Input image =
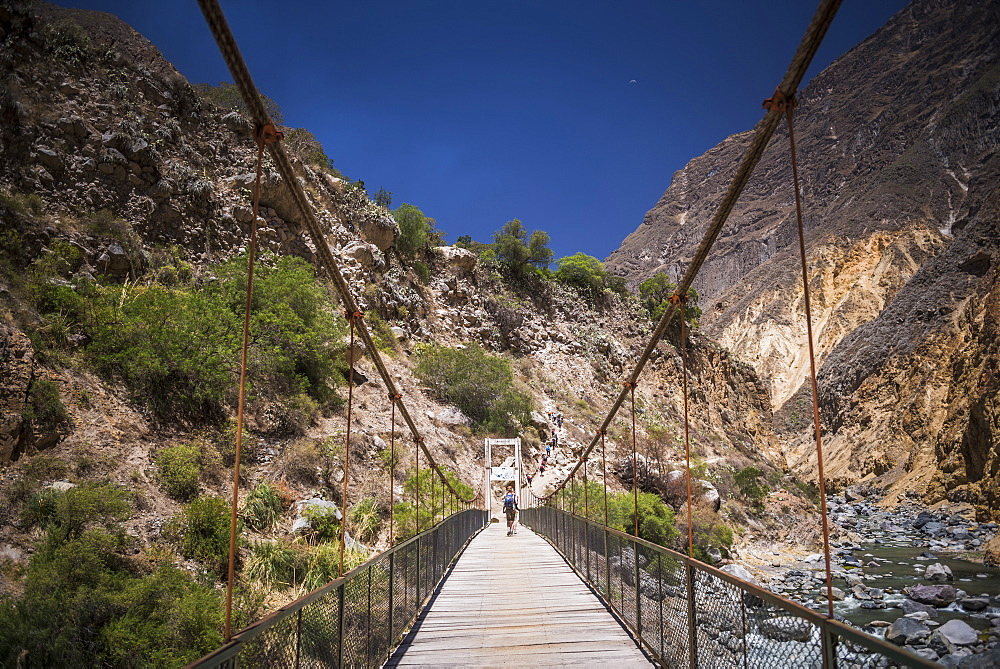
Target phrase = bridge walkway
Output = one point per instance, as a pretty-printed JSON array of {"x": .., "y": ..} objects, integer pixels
[{"x": 514, "y": 601}]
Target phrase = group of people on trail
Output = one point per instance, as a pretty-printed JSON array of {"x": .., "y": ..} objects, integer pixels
[{"x": 510, "y": 502}]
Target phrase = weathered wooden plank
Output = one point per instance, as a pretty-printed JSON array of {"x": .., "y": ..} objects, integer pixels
[{"x": 514, "y": 600}]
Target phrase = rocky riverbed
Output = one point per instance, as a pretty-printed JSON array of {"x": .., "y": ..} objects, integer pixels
[{"x": 910, "y": 581}]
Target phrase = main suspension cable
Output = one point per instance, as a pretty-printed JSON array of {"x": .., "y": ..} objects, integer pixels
[{"x": 258, "y": 115}]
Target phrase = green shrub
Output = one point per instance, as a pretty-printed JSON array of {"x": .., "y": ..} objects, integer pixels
[
  {"x": 434, "y": 501},
  {"x": 263, "y": 507},
  {"x": 40, "y": 507},
  {"x": 323, "y": 524},
  {"x": 414, "y": 230},
  {"x": 22, "y": 203},
  {"x": 68, "y": 42},
  {"x": 585, "y": 273},
  {"x": 365, "y": 520},
  {"x": 272, "y": 564},
  {"x": 45, "y": 409},
  {"x": 521, "y": 259},
  {"x": 83, "y": 605},
  {"x": 655, "y": 292},
  {"x": 86, "y": 506},
  {"x": 228, "y": 96},
  {"x": 423, "y": 271},
  {"x": 748, "y": 480},
  {"x": 656, "y": 517},
  {"x": 176, "y": 348},
  {"x": 179, "y": 468},
  {"x": 201, "y": 531},
  {"x": 480, "y": 385}
]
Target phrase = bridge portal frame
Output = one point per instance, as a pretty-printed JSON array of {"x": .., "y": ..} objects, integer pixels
[{"x": 488, "y": 474}]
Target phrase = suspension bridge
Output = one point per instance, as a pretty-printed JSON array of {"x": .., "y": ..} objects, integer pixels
[{"x": 566, "y": 588}]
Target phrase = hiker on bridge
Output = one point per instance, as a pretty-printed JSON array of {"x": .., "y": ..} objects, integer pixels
[{"x": 510, "y": 509}]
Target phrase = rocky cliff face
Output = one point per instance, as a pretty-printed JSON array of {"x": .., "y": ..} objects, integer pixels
[
  {"x": 897, "y": 146},
  {"x": 95, "y": 119}
]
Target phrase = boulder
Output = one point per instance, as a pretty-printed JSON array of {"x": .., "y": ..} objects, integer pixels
[
  {"x": 48, "y": 159},
  {"x": 988, "y": 660},
  {"x": 907, "y": 631},
  {"x": 355, "y": 352},
  {"x": 909, "y": 607},
  {"x": 361, "y": 252},
  {"x": 399, "y": 333},
  {"x": 854, "y": 579},
  {"x": 974, "y": 603},
  {"x": 538, "y": 421},
  {"x": 938, "y": 572},
  {"x": 740, "y": 572},
  {"x": 452, "y": 416},
  {"x": 934, "y": 595},
  {"x": 381, "y": 231},
  {"x": 462, "y": 261},
  {"x": 991, "y": 553},
  {"x": 958, "y": 632},
  {"x": 786, "y": 629}
]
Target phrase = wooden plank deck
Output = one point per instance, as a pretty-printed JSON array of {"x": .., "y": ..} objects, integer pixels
[{"x": 514, "y": 601}]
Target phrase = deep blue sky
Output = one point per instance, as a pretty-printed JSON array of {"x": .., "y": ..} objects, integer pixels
[{"x": 480, "y": 112}]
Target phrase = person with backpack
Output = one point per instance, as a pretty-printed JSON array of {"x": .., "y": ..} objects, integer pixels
[{"x": 510, "y": 509}]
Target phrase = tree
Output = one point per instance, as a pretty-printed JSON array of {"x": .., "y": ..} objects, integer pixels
[
  {"x": 414, "y": 230},
  {"x": 519, "y": 259},
  {"x": 655, "y": 294},
  {"x": 383, "y": 198},
  {"x": 586, "y": 273}
]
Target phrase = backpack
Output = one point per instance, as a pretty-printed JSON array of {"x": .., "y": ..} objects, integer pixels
[{"x": 508, "y": 501}]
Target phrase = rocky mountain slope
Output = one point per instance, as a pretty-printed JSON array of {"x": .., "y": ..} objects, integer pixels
[
  {"x": 897, "y": 143},
  {"x": 110, "y": 157}
]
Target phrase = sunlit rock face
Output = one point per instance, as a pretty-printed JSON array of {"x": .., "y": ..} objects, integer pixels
[{"x": 897, "y": 144}]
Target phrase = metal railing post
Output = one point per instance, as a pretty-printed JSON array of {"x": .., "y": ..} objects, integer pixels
[
  {"x": 298, "y": 638},
  {"x": 340, "y": 624},
  {"x": 392, "y": 589},
  {"x": 638, "y": 602},
  {"x": 692, "y": 618},
  {"x": 829, "y": 647}
]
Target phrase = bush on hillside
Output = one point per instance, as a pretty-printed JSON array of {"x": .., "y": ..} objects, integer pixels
[
  {"x": 178, "y": 349},
  {"x": 655, "y": 292},
  {"x": 480, "y": 385},
  {"x": 201, "y": 532},
  {"x": 435, "y": 501},
  {"x": 521, "y": 259},
  {"x": 87, "y": 602},
  {"x": 587, "y": 275},
  {"x": 414, "y": 230},
  {"x": 179, "y": 468}
]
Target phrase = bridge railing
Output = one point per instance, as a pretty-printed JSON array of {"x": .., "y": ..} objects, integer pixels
[
  {"x": 689, "y": 614},
  {"x": 356, "y": 620}
]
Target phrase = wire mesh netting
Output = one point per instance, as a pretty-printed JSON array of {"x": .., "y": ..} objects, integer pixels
[
  {"x": 689, "y": 614},
  {"x": 357, "y": 620}
]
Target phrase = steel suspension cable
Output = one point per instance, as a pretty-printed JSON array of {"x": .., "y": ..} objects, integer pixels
[
  {"x": 789, "y": 105},
  {"x": 763, "y": 132},
  {"x": 635, "y": 466},
  {"x": 251, "y": 253},
  {"x": 682, "y": 300},
  {"x": 353, "y": 318},
  {"x": 604, "y": 476},
  {"x": 392, "y": 465},
  {"x": 258, "y": 115}
]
